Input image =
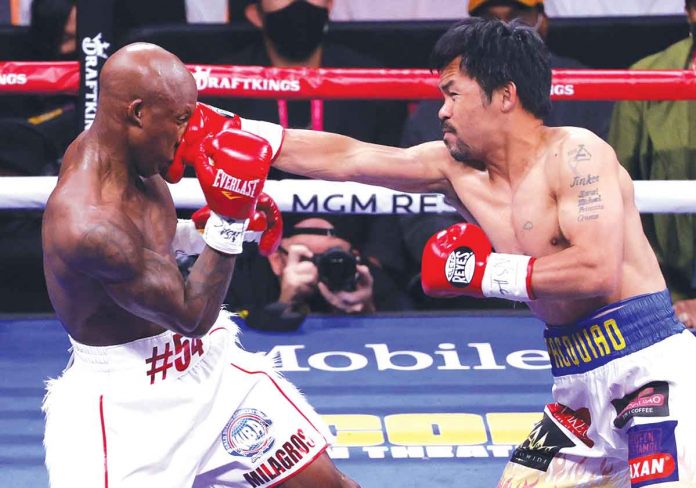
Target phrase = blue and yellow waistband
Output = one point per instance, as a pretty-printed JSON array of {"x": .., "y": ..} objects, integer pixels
[{"x": 635, "y": 324}]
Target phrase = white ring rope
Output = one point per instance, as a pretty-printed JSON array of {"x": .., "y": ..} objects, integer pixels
[{"x": 31, "y": 193}]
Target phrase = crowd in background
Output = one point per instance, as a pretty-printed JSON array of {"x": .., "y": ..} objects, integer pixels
[
  {"x": 18, "y": 12},
  {"x": 328, "y": 263}
]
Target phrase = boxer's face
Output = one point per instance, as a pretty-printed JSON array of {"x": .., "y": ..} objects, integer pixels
[
  {"x": 466, "y": 114},
  {"x": 163, "y": 126}
]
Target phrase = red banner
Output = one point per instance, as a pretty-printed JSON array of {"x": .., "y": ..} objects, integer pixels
[
  {"x": 47, "y": 78},
  {"x": 39, "y": 78}
]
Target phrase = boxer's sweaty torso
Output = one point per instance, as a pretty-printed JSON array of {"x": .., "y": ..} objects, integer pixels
[
  {"x": 525, "y": 220},
  {"x": 88, "y": 313}
]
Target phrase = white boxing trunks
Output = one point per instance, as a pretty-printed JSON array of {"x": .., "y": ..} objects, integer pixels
[
  {"x": 171, "y": 411},
  {"x": 624, "y": 412}
]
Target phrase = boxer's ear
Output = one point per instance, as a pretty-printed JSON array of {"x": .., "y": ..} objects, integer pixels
[
  {"x": 508, "y": 97},
  {"x": 135, "y": 112}
]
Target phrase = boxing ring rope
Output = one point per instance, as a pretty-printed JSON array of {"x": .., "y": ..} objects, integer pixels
[
  {"x": 318, "y": 196},
  {"x": 52, "y": 78},
  {"x": 354, "y": 83}
]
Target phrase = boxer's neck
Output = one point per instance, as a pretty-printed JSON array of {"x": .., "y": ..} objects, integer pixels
[{"x": 516, "y": 150}]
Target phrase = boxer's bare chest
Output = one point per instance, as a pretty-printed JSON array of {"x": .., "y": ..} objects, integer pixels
[{"x": 521, "y": 219}]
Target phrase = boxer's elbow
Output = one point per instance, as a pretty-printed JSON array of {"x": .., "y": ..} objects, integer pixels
[
  {"x": 201, "y": 330},
  {"x": 194, "y": 328},
  {"x": 606, "y": 283},
  {"x": 601, "y": 278},
  {"x": 192, "y": 323}
]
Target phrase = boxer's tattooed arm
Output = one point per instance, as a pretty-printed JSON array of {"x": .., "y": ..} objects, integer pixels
[
  {"x": 589, "y": 199},
  {"x": 576, "y": 156},
  {"x": 149, "y": 284},
  {"x": 588, "y": 259},
  {"x": 107, "y": 252},
  {"x": 586, "y": 183},
  {"x": 584, "y": 180},
  {"x": 589, "y": 205},
  {"x": 209, "y": 276}
]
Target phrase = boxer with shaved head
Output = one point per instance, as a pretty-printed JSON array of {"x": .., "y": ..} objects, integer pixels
[{"x": 158, "y": 393}]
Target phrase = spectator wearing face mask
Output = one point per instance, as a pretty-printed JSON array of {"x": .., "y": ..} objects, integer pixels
[{"x": 293, "y": 34}]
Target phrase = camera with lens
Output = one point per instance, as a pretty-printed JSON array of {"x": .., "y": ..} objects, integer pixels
[{"x": 337, "y": 269}]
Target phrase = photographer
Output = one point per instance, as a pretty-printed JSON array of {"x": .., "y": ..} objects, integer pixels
[{"x": 315, "y": 270}]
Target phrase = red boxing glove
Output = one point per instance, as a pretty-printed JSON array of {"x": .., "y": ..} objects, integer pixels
[
  {"x": 205, "y": 120},
  {"x": 231, "y": 167},
  {"x": 265, "y": 226},
  {"x": 200, "y": 217},
  {"x": 460, "y": 261}
]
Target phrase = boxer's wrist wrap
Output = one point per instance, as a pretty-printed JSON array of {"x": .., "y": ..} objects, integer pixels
[
  {"x": 252, "y": 235},
  {"x": 225, "y": 234},
  {"x": 508, "y": 276},
  {"x": 188, "y": 240}
]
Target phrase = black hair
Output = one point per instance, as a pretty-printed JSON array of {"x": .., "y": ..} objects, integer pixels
[
  {"x": 48, "y": 18},
  {"x": 350, "y": 228},
  {"x": 494, "y": 53}
]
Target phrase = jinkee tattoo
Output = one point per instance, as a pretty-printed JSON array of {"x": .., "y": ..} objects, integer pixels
[{"x": 584, "y": 180}]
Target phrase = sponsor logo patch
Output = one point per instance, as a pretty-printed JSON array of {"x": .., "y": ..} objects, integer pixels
[
  {"x": 248, "y": 434},
  {"x": 460, "y": 265},
  {"x": 577, "y": 422},
  {"x": 652, "y": 454},
  {"x": 651, "y": 400},
  {"x": 286, "y": 457},
  {"x": 541, "y": 446}
]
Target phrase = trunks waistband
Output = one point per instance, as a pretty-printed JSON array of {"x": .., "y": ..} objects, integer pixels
[
  {"x": 165, "y": 356},
  {"x": 613, "y": 331}
]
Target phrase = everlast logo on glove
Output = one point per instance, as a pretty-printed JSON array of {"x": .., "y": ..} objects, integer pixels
[
  {"x": 459, "y": 268},
  {"x": 229, "y": 182}
]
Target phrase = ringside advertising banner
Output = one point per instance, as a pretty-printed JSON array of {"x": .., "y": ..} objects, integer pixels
[
  {"x": 413, "y": 401},
  {"x": 95, "y": 43},
  {"x": 447, "y": 389}
]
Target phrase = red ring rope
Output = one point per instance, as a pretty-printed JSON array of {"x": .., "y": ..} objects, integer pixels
[{"x": 49, "y": 78}]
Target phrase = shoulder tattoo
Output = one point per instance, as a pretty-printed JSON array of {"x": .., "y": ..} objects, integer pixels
[{"x": 577, "y": 155}]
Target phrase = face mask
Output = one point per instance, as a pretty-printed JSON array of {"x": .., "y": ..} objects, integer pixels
[{"x": 297, "y": 30}]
